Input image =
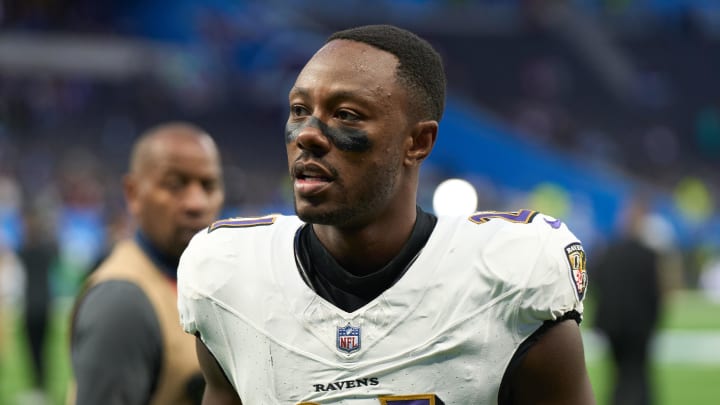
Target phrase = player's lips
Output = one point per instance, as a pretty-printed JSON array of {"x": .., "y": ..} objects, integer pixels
[{"x": 310, "y": 178}]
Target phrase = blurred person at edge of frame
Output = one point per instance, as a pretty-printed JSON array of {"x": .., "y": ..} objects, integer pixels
[
  {"x": 127, "y": 345},
  {"x": 627, "y": 289},
  {"x": 38, "y": 253}
]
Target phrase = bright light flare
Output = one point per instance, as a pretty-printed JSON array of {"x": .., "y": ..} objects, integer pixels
[{"x": 455, "y": 197}]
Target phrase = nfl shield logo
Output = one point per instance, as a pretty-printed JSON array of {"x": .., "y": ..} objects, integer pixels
[{"x": 348, "y": 338}]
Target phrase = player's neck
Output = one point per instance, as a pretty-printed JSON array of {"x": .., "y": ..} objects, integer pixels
[{"x": 365, "y": 250}]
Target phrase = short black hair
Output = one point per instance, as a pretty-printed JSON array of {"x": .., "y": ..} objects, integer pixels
[{"x": 420, "y": 67}]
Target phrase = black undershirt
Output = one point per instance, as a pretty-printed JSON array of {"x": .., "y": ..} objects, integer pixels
[{"x": 344, "y": 289}]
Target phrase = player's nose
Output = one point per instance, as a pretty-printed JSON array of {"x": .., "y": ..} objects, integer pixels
[{"x": 311, "y": 138}]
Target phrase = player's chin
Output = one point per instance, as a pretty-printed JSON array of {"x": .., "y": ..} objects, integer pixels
[
  {"x": 304, "y": 205},
  {"x": 321, "y": 214},
  {"x": 304, "y": 212},
  {"x": 311, "y": 213}
]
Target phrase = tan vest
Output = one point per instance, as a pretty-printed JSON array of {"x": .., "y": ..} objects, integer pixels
[{"x": 179, "y": 364}]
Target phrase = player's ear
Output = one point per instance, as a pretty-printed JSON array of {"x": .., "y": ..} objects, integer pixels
[{"x": 420, "y": 142}]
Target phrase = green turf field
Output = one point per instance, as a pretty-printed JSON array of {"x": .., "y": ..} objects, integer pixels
[
  {"x": 15, "y": 377},
  {"x": 677, "y": 382}
]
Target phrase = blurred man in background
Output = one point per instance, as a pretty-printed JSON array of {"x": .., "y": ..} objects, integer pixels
[
  {"x": 127, "y": 345},
  {"x": 37, "y": 253},
  {"x": 627, "y": 289}
]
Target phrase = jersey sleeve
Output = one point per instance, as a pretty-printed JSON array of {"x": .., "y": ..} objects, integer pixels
[
  {"x": 556, "y": 284},
  {"x": 189, "y": 285},
  {"x": 202, "y": 271}
]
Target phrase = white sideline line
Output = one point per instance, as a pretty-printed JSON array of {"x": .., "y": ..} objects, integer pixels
[{"x": 670, "y": 346}]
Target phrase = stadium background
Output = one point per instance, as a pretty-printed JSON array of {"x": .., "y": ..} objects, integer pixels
[{"x": 561, "y": 106}]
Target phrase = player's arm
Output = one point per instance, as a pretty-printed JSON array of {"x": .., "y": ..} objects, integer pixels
[
  {"x": 554, "y": 370},
  {"x": 218, "y": 390}
]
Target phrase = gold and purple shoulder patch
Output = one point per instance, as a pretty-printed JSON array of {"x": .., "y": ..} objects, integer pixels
[
  {"x": 576, "y": 258},
  {"x": 242, "y": 222}
]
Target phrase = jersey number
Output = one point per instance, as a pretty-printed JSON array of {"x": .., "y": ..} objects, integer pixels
[
  {"x": 522, "y": 216},
  {"x": 422, "y": 399}
]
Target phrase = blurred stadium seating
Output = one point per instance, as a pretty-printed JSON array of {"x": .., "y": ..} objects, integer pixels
[{"x": 565, "y": 106}]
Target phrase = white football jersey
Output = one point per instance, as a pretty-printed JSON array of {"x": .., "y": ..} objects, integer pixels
[{"x": 444, "y": 333}]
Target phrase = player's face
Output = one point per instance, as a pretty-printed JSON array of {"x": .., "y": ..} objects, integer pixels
[
  {"x": 345, "y": 135},
  {"x": 179, "y": 193}
]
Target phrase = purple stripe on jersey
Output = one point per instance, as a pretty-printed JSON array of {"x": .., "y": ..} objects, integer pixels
[{"x": 241, "y": 222}]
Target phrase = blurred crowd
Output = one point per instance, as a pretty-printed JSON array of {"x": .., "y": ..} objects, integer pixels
[{"x": 625, "y": 87}]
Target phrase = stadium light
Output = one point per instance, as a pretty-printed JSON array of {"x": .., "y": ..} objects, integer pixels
[{"x": 455, "y": 197}]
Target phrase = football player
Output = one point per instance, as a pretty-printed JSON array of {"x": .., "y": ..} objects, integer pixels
[{"x": 363, "y": 298}]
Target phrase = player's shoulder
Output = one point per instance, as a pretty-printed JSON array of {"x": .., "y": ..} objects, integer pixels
[
  {"x": 513, "y": 224},
  {"x": 236, "y": 235},
  {"x": 244, "y": 227},
  {"x": 531, "y": 249},
  {"x": 505, "y": 233},
  {"x": 215, "y": 253}
]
